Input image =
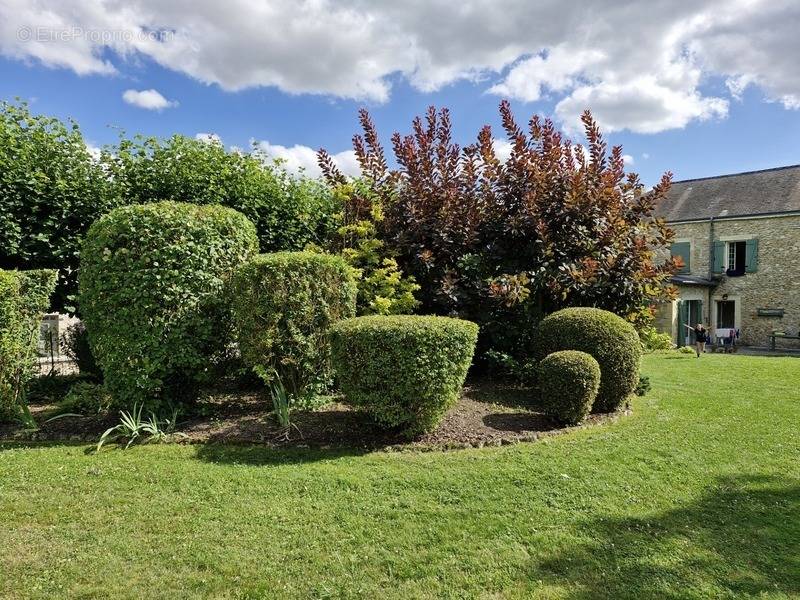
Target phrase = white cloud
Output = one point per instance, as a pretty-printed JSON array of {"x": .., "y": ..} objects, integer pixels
[
  {"x": 211, "y": 138},
  {"x": 628, "y": 160},
  {"x": 502, "y": 148},
  {"x": 302, "y": 159},
  {"x": 147, "y": 99},
  {"x": 639, "y": 65},
  {"x": 645, "y": 155}
]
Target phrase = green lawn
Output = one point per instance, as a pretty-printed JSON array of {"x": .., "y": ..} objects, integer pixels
[{"x": 696, "y": 495}]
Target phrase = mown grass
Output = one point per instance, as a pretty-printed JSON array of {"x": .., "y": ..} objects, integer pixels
[{"x": 696, "y": 495}]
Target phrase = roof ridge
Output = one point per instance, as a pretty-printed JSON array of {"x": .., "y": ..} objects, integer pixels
[{"x": 737, "y": 174}]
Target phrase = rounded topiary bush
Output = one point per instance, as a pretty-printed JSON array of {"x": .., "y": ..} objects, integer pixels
[
  {"x": 284, "y": 305},
  {"x": 611, "y": 340},
  {"x": 568, "y": 383},
  {"x": 405, "y": 371},
  {"x": 153, "y": 296}
]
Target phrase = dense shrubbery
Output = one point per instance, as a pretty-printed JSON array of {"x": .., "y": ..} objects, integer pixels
[
  {"x": 75, "y": 346},
  {"x": 24, "y": 296},
  {"x": 284, "y": 305},
  {"x": 405, "y": 371},
  {"x": 51, "y": 190},
  {"x": 611, "y": 340},
  {"x": 504, "y": 242},
  {"x": 652, "y": 339},
  {"x": 152, "y": 290},
  {"x": 86, "y": 398},
  {"x": 568, "y": 383}
]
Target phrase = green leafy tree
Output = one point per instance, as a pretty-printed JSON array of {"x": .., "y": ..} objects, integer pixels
[{"x": 51, "y": 190}]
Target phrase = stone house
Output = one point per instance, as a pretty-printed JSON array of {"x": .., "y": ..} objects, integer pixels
[{"x": 739, "y": 238}]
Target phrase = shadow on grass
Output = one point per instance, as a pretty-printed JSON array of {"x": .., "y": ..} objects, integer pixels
[
  {"x": 265, "y": 455},
  {"x": 742, "y": 536}
]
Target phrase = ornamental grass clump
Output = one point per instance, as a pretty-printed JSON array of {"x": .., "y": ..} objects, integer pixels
[
  {"x": 153, "y": 293},
  {"x": 405, "y": 371}
]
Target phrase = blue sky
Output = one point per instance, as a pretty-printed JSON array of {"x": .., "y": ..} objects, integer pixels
[{"x": 704, "y": 107}]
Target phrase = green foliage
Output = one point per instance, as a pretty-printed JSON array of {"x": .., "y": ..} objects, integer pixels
[
  {"x": 24, "y": 296},
  {"x": 652, "y": 339},
  {"x": 153, "y": 292},
  {"x": 686, "y": 350},
  {"x": 568, "y": 383},
  {"x": 86, "y": 398},
  {"x": 643, "y": 386},
  {"x": 382, "y": 287},
  {"x": 405, "y": 371},
  {"x": 75, "y": 345},
  {"x": 51, "y": 190},
  {"x": 134, "y": 429},
  {"x": 611, "y": 340},
  {"x": 288, "y": 211},
  {"x": 51, "y": 388},
  {"x": 284, "y": 305}
]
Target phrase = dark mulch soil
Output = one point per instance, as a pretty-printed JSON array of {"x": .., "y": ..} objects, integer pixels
[{"x": 488, "y": 413}]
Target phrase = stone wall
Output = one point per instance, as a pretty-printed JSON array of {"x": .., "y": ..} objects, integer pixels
[{"x": 774, "y": 285}]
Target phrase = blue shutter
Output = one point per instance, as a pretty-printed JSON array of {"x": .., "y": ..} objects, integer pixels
[
  {"x": 751, "y": 258},
  {"x": 719, "y": 257},
  {"x": 682, "y": 249}
]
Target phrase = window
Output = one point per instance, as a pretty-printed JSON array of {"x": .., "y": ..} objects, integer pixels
[
  {"x": 736, "y": 257},
  {"x": 737, "y": 254},
  {"x": 683, "y": 251}
]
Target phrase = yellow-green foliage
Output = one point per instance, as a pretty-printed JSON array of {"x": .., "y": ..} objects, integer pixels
[
  {"x": 405, "y": 371},
  {"x": 153, "y": 286}
]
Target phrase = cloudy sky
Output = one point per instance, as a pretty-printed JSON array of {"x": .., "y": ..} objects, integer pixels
[{"x": 698, "y": 87}]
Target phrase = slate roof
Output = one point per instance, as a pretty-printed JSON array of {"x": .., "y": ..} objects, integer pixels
[{"x": 753, "y": 193}]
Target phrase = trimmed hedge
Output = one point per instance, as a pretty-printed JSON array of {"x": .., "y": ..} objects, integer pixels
[
  {"x": 568, "y": 382},
  {"x": 153, "y": 286},
  {"x": 405, "y": 371},
  {"x": 284, "y": 305},
  {"x": 611, "y": 340},
  {"x": 24, "y": 297}
]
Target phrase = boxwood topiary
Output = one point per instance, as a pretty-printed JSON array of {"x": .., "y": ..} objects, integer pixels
[
  {"x": 284, "y": 305},
  {"x": 568, "y": 383},
  {"x": 611, "y": 340},
  {"x": 405, "y": 371},
  {"x": 153, "y": 296}
]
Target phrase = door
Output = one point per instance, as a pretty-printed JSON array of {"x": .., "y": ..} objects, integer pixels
[
  {"x": 690, "y": 313},
  {"x": 726, "y": 314}
]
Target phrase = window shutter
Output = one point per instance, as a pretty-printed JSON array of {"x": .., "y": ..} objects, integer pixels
[
  {"x": 682, "y": 249},
  {"x": 719, "y": 257},
  {"x": 751, "y": 258}
]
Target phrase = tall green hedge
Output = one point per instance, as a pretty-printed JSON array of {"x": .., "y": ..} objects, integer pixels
[
  {"x": 285, "y": 304},
  {"x": 153, "y": 288},
  {"x": 24, "y": 297},
  {"x": 406, "y": 371},
  {"x": 611, "y": 340}
]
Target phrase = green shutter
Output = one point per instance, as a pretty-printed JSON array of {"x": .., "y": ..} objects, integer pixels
[
  {"x": 719, "y": 257},
  {"x": 751, "y": 258},
  {"x": 682, "y": 249}
]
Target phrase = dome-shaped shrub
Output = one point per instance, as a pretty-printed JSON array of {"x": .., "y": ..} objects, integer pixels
[
  {"x": 612, "y": 341},
  {"x": 405, "y": 371},
  {"x": 568, "y": 382},
  {"x": 285, "y": 304},
  {"x": 153, "y": 286}
]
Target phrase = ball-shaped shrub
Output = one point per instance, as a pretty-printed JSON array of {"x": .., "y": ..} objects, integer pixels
[
  {"x": 405, "y": 371},
  {"x": 568, "y": 383},
  {"x": 153, "y": 296},
  {"x": 611, "y": 340},
  {"x": 284, "y": 305}
]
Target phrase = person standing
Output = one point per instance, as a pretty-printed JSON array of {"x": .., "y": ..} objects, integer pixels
[{"x": 700, "y": 337}]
